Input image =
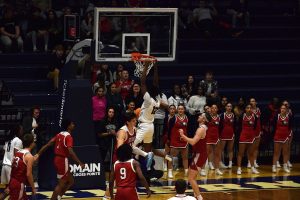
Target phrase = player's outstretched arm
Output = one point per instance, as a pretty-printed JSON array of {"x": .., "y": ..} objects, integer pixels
[
  {"x": 143, "y": 77},
  {"x": 29, "y": 162},
  {"x": 143, "y": 180},
  {"x": 46, "y": 146},
  {"x": 75, "y": 157},
  {"x": 111, "y": 183}
]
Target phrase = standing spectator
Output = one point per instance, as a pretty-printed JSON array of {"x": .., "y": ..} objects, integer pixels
[
  {"x": 195, "y": 106},
  {"x": 239, "y": 108},
  {"x": 118, "y": 73},
  {"x": 114, "y": 100},
  {"x": 180, "y": 187},
  {"x": 176, "y": 98},
  {"x": 189, "y": 86},
  {"x": 124, "y": 84},
  {"x": 31, "y": 124},
  {"x": 56, "y": 64},
  {"x": 224, "y": 102},
  {"x": 105, "y": 71},
  {"x": 99, "y": 104},
  {"x": 210, "y": 87},
  {"x": 100, "y": 83},
  {"x": 135, "y": 95},
  {"x": 10, "y": 34},
  {"x": 238, "y": 9},
  {"x": 38, "y": 30},
  {"x": 107, "y": 133}
]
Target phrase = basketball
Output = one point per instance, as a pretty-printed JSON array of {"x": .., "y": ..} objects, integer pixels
[{"x": 137, "y": 112}]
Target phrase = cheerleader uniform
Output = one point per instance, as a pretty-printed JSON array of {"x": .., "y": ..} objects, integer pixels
[
  {"x": 258, "y": 129},
  {"x": 248, "y": 129},
  {"x": 175, "y": 138},
  {"x": 213, "y": 130},
  {"x": 227, "y": 126},
  {"x": 282, "y": 129}
]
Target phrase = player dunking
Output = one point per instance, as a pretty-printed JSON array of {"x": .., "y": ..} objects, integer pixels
[
  {"x": 63, "y": 142},
  {"x": 21, "y": 172},
  {"x": 199, "y": 152},
  {"x": 125, "y": 172},
  {"x": 145, "y": 129}
]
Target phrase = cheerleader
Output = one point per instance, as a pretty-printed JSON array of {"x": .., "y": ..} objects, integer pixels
[
  {"x": 227, "y": 124},
  {"x": 165, "y": 138},
  {"x": 213, "y": 142},
  {"x": 282, "y": 136},
  {"x": 247, "y": 137},
  {"x": 177, "y": 124},
  {"x": 289, "y": 111},
  {"x": 199, "y": 152},
  {"x": 258, "y": 131}
]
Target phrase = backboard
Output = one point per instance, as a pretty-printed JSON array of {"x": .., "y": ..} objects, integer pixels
[{"x": 120, "y": 31}]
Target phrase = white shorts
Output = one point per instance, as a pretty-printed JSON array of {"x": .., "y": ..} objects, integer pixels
[
  {"x": 5, "y": 174},
  {"x": 145, "y": 133}
]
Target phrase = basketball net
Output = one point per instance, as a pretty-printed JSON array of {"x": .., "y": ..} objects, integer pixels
[{"x": 139, "y": 61}]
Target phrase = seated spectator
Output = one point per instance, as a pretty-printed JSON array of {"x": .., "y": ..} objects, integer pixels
[
  {"x": 176, "y": 98},
  {"x": 55, "y": 28},
  {"x": 189, "y": 86},
  {"x": 87, "y": 25},
  {"x": 10, "y": 32},
  {"x": 100, "y": 83},
  {"x": 238, "y": 10},
  {"x": 180, "y": 187},
  {"x": 223, "y": 104},
  {"x": 56, "y": 64},
  {"x": 38, "y": 30},
  {"x": 124, "y": 84},
  {"x": 203, "y": 17},
  {"x": 210, "y": 87},
  {"x": 105, "y": 71}
]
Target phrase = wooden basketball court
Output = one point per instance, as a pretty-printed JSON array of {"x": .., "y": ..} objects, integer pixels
[{"x": 265, "y": 186}]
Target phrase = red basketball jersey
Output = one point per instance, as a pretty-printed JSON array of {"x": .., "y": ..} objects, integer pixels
[
  {"x": 200, "y": 146},
  {"x": 125, "y": 175},
  {"x": 63, "y": 141},
  {"x": 19, "y": 167},
  {"x": 180, "y": 123},
  {"x": 213, "y": 130}
]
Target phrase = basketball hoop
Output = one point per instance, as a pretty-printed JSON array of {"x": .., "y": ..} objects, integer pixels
[{"x": 139, "y": 61}]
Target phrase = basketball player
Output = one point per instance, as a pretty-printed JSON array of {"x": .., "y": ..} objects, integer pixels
[
  {"x": 180, "y": 187},
  {"x": 227, "y": 124},
  {"x": 258, "y": 130},
  {"x": 11, "y": 146},
  {"x": 125, "y": 172},
  {"x": 21, "y": 172},
  {"x": 281, "y": 138},
  {"x": 247, "y": 138},
  {"x": 145, "y": 129},
  {"x": 213, "y": 142},
  {"x": 176, "y": 124},
  {"x": 126, "y": 135},
  {"x": 199, "y": 152},
  {"x": 63, "y": 150}
]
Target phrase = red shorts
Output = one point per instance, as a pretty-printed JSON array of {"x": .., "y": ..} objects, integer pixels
[
  {"x": 17, "y": 190},
  {"x": 198, "y": 160},
  {"x": 61, "y": 165},
  {"x": 126, "y": 193}
]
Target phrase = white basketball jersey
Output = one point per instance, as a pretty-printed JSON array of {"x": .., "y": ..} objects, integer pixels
[
  {"x": 148, "y": 109},
  {"x": 9, "y": 148}
]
